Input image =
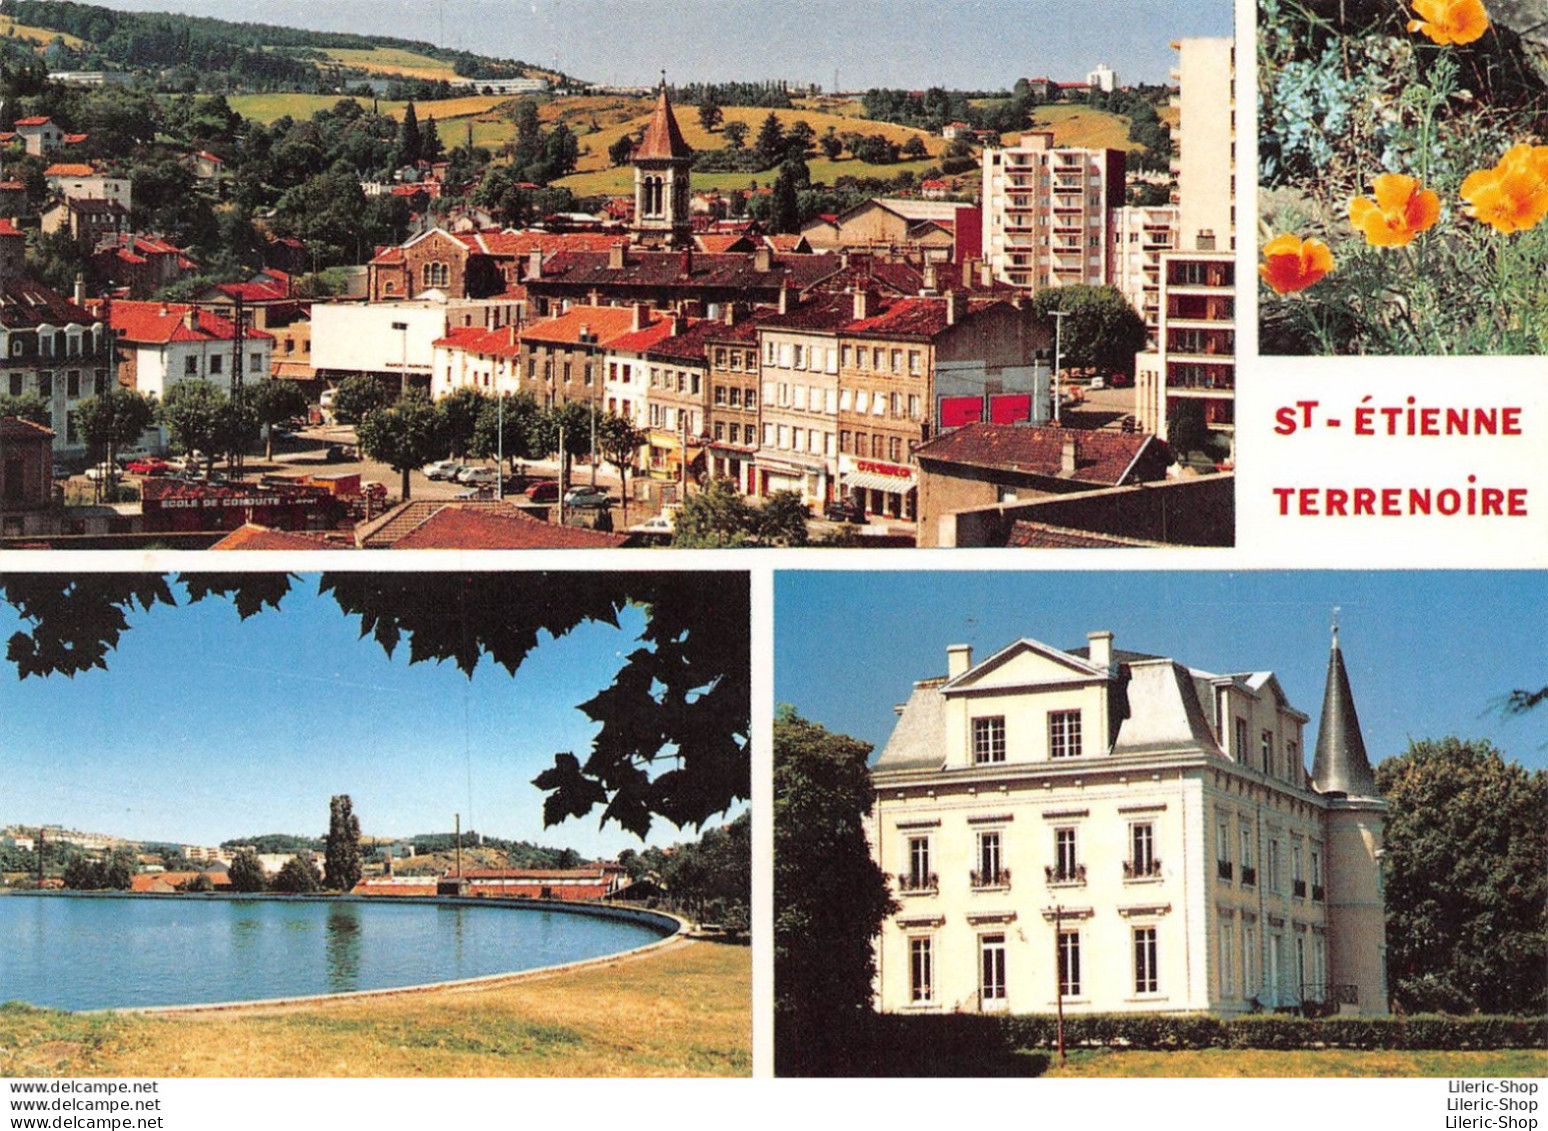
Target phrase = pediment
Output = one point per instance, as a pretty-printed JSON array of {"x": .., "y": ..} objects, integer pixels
[{"x": 1022, "y": 664}]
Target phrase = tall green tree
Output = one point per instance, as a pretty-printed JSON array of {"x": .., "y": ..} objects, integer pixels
[
  {"x": 298, "y": 876},
  {"x": 770, "y": 143},
  {"x": 830, "y": 898},
  {"x": 406, "y": 436},
  {"x": 409, "y": 140},
  {"x": 246, "y": 871},
  {"x": 117, "y": 418},
  {"x": 720, "y": 516},
  {"x": 619, "y": 443},
  {"x": 27, "y": 406},
  {"x": 192, "y": 412},
  {"x": 1466, "y": 890},
  {"x": 341, "y": 860},
  {"x": 462, "y": 410},
  {"x": 506, "y": 427},
  {"x": 735, "y": 134},
  {"x": 358, "y": 397},
  {"x": 275, "y": 401},
  {"x": 710, "y": 114}
]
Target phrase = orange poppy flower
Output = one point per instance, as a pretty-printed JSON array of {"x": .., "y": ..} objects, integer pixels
[
  {"x": 1293, "y": 264},
  {"x": 1400, "y": 211},
  {"x": 1450, "y": 21},
  {"x": 1512, "y": 196}
]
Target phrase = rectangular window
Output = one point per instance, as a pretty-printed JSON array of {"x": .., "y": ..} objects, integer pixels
[
  {"x": 735, "y": 396},
  {"x": 752, "y": 399},
  {"x": 862, "y": 401},
  {"x": 1146, "y": 979},
  {"x": 720, "y": 430},
  {"x": 190, "y": 367},
  {"x": 1064, "y": 734},
  {"x": 919, "y": 878},
  {"x": 989, "y": 739},
  {"x": 1223, "y": 848},
  {"x": 1268, "y": 751},
  {"x": 895, "y": 449},
  {"x": 989, "y": 872},
  {"x": 70, "y": 433},
  {"x": 1066, "y": 865},
  {"x": 16, "y": 384},
  {"x": 913, "y": 361},
  {"x": 913, "y": 407},
  {"x": 847, "y": 356},
  {"x": 1293, "y": 770},
  {"x": 1297, "y": 875},
  {"x": 1273, "y": 866},
  {"x": 991, "y": 950},
  {"x": 1142, "y": 850},
  {"x": 1249, "y": 869},
  {"x": 73, "y": 384},
  {"x": 217, "y": 365},
  {"x": 1249, "y": 961},
  {"x": 921, "y": 970},
  {"x": 720, "y": 394},
  {"x": 45, "y": 384},
  {"x": 1069, "y": 963},
  {"x": 1316, "y": 875},
  {"x": 1241, "y": 741}
]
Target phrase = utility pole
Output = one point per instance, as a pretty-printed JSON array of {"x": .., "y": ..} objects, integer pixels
[
  {"x": 500, "y": 446},
  {"x": 1059, "y": 971},
  {"x": 1058, "y": 317},
  {"x": 459, "y": 856},
  {"x": 563, "y": 484},
  {"x": 238, "y": 460}
]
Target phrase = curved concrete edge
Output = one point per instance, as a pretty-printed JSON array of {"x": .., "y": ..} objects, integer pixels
[{"x": 678, "y": 936}]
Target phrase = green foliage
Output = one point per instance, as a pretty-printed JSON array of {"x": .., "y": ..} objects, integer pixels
[
  {"x": 358, "y": 397},
  {"x": 673, "y": 726},
  {"x": 462, "y": 410},
  {"x": 275, "y": 401},
  {"x": 409, "y": 142},
  {"x": 1467, "y": 898},
  {"x": 620, "y": 151},
  {"x": 830, "y": 899},
  {"x": 713, "y": 876},
  {"x": 770, "y": 144},
  {"x": 192, "y": 412},
  {"x": 28, "y": 406},
  {"x": 115, "y": 872},
  {"x": 298, "y": 876},
  {"x": 246, "y": 872},
  {"x": 721, "y": 516},
  {"x": 341, "y": 862},
  {"x": 1101, "y": 332},
  {"x": 736, "y": 134},
  {"x": 1444, "y": 112},
  {"x": 406, "y": 436},
  {"x": 274, "y": 843},
  {"x": 513, "y": 417},
  {"x": 710, "y": 115}
]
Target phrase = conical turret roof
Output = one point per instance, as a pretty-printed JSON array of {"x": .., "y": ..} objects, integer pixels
[
  {"x": 663, "y": 140},
  {"x": 1340, "y": 765}
]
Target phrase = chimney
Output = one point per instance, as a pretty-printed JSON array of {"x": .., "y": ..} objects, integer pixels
[
  {"x": 535, "y": 263},
  {"x": 865, "y": 304},
  {"x": 985, "y": 275},
  {"x": 641, "y": 316},
  {"x": 969, "y": 270},
  {"x": 1100, "y": 650},
  {"x": 784, "y": 297},
  {"x": 164, "y": 310},
  {"x": 687, "y": 261},
  {"x": 1067, "y": 456},
  {"x": 191, "y": 318},
  {"x": 617, "y": 257},
  {"x": 80, "y": 289},
  {"x": 679, "y": 323},
  {"x": 930, "y": 282},
  {"x": 513, "y": 333},
  {"x": 959, "y": 658},
  {"x": 843, "y": 259},
  {"x": 734, "y": 313},
  {"x": 763, "y": 258},
  {"x": 955, "y": 307}
]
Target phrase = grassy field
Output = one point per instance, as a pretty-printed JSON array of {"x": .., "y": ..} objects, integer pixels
[
  {"x": 1083, "y": 127},
  {"x": 1322, "y": 1062},
  {"x": 684, "y": 1010},
  {"x": 44, "y": 35}
]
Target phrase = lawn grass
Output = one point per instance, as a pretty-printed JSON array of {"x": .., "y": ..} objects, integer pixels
[
  {"x": 1081, "y": 127},
  {"x": 1313, "y": 1062},
  {"x": 39, "y": 35},
  {"x": 683, "y": 1010}
]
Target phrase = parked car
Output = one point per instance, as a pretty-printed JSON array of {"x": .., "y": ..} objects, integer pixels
[
  {"x": 584, "y": 496},
  {"x": 844, "y": 510},
  {"x": 544, "y": 491},
  {"x": 149, "y": 465},
  {"x": 1097, "y": 383},
  {"x": 444, "y": 469},
  {"x": 478, "y": 477},
  {"x": 103, "y": 472}
]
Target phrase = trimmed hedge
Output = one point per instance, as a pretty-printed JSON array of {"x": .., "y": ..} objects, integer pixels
[{"x": 1202, "y": 1031}]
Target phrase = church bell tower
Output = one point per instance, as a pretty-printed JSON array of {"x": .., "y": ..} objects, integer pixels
[{"x": 661, "y": 164}]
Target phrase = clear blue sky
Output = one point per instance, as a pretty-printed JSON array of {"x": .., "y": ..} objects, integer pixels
[
  {"x": 912, "y": 44},
  {"x": 1429, "y": 653},
  {"x": 204, "y": 728}
]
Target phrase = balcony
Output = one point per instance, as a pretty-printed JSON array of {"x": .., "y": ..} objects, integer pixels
[
  {"x": 1298, "y": 888},
  {"x": 1075, "y": 875},
  {"x": 1142, "y": 869},
  {"x": 983, "y": 881},
  {"x": 911, "y": 884},
  {"x": 1319, "y": 893},
  {"x": 1223, "y": 869},
  {"x": 1249, "y": 876}
]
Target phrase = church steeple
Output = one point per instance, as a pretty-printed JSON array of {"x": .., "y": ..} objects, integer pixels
[
  {"x": 661, "y": 164},
  {"x": 1341, "y": 765}
]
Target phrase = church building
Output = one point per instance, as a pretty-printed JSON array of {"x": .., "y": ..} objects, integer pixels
[{"x": 1126, "y": 833}]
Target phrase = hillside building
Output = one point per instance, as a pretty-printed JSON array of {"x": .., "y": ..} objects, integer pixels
[{"x": 1128, "y": 833}]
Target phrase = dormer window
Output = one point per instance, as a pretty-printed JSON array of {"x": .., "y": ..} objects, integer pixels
[{"x": 1064, "y": 734}]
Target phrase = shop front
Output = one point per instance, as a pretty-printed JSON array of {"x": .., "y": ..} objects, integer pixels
[
  {"x": 812, "y": 481},
  {"x": 881, "y": 488}
]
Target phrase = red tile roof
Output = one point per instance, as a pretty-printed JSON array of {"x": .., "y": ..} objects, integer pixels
[
  {"x": 25, "y": 305},
  {"x": 75, "y": 139},
  {"x": 163, "y": 322},
  {"x": 486, "y": 343},
  {"x": 33, "y": 121},
  {"x": 254, "y": 537},
  {"x": 8, "y": 228},
  {"x": 663, "y": 140},
  {"x": 641, "y": 340},
  {"x": 655, "y": 269},
  {"x": 689, "y": 345},
  {"x": 460, "y": 526},
  {"x": 604, "y": 322},
  {"x": 721, "y": 244},
  {"x": 1042, "y": 536},
  {"x": 914, "y": 318},
  {"x": 1108, "y": 458},
  {"x": 69, "y": 170}
]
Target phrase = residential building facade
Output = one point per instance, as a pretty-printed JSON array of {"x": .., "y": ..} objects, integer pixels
[{"x": 1112, "y": 831}]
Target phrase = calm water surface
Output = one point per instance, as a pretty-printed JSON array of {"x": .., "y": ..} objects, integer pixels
[{"x": 72, "y": 953}]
